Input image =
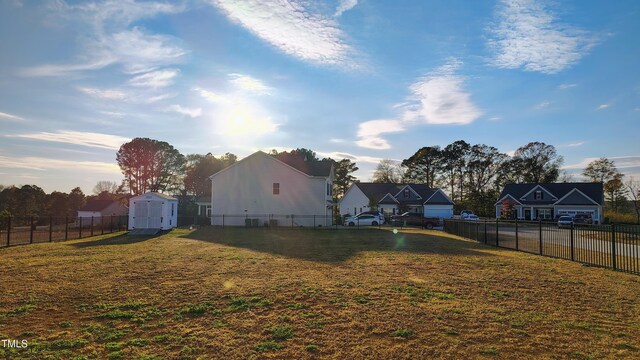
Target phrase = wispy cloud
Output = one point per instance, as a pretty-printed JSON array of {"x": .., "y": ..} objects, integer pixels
[
  {"x": 602, "y": 107},
  {"x": 621, "y": 162},
  {"x": 248, "y": 83},
  {"x": 369, "y": 133},
  {"x": 495, "y": 118},
  {"x": 566, "y": 86},
  {"x": 356, "y": 158},
  {"x": 109, "y": 94},
  {"x": 91, "y": 139},
  {"x": 575, "y": 144},
  {"x": 345, "y": 5},
  {"x": 109, "y": 40},
  {"x": 10, "y": 117},
  {"x": 527, "y": 35},
  {"x": 292, "y": 28},
  {"x": 191, "y": 112},
  {"x": 155, "y": 79},
  {"x": 542, "y": 105},
  {"x": 439, "y": 98},
  {"x": 42, "y": 164},
  {"x": 212, "y": 96}
]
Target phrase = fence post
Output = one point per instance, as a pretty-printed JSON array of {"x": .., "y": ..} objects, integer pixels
[
  {"x": 8, "y": 230},
  {"x": 613, "y": 247},
  {"x": 223, "y": 221},
  {"x": 292, "y": 221},
  {"x": 80, "y": 227},
  {"x": 571, "y": 237},
  {"x": 314, "y": 221},
  {"x": 485, "y": 231},
  {"x": 517, "y": 246},
  {"x": 66, "y": 227},
  {"x": 31, "y": 231},
  {"x": 101, "y": 225},
  {"x": 540, "y": 233},
  {"x": 111, "y": 225},
  {"x": 50, "y": 228},
  {"x": 91, "y": 226},
  {"x": 497, "y": 233}
]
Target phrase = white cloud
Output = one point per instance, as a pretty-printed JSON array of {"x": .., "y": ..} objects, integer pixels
[
  {"x": 248, "y": 83},
  {"x": 369, "y": 133},
  {"x": 10, "y": 117},
  {"x": 621, "y": 162},
  {"x": 242, "y": 118},
  {"x": 155, "y": 79},
  {"x": 495, "y": 118},
  {"x": 345, "y": 5},
  {"x": 542, "y": 105},
  {"x": 42, "y": 164},
  {"x": 211, "y": 96},
  {"x": 191, "y": 112},
  {"x": 575, "y": 144},
  {"x": 527, "y": 35},
  {"x": 440, "y": 98},
  {"x": 108, "y": 40},
  {"x": 109, "y": 94},
  {"x": 292, "y": 28},
  {"x": 566, "y": 86},
  {"x": 98, "y": 140},
  {"x": 602, "y": 107},
  {"x": 356, "y": 158}
]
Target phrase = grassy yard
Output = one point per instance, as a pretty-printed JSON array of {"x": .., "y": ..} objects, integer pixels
[{"x": 256, "y": 293}]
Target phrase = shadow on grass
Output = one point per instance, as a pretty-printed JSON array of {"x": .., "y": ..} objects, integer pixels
[
  {"x": 122, "y": 239},
  {"x": 333, "y": 245}
]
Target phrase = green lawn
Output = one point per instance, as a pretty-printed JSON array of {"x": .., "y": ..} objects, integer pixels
[{"x": 264, "y": 293}]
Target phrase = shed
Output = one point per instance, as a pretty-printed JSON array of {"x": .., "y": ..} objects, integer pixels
[{"x": 153, "y": 211}]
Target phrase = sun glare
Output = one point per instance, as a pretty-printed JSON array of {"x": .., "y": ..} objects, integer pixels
[{"x": 243, "y": 119}]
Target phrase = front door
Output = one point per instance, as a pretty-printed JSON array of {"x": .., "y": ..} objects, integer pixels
[{"x": 527, "y": 214}]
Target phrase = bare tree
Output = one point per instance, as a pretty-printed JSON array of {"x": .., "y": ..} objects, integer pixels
[
  {"x": 387, "y": 171},
  {"x": 633, "y": 186},
  {"x": 110, "y": 187}
]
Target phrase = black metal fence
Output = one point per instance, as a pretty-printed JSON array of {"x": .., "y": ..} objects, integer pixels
[
  {"x": 16, "y": 230},
  {"x": 287, "y": 221},
  {"x": 612, "y": 246}
]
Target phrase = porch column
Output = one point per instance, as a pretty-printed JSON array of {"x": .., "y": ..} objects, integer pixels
[{"x": 532, "y": 214}]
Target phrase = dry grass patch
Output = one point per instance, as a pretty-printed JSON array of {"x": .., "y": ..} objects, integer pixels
[{"x": 265, "y": 293}]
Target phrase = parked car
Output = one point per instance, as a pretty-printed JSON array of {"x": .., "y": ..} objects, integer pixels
[
  {"x": 466, "y": 213},
  {"x": 363, "y": 220},
  {"x": 375, "y": 213},
  {"x": 565, "y": 221},
  {"x": 472, "y": 217},
  {"x": 415, "y": 219},
  {"x": 582, "y": 219}
]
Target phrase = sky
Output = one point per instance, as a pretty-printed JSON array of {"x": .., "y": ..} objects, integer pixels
[{"x": 359, "y": 79}]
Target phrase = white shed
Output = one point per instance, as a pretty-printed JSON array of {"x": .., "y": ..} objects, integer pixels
[{"x": 153, "y": 211}]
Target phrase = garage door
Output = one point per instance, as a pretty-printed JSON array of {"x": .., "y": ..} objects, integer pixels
[{"x": 441, "y": 213}]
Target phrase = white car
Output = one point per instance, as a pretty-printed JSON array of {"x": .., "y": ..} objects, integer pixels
[
  {"x": 472, "y": 217},
  {"x": 363, "y": 220}
]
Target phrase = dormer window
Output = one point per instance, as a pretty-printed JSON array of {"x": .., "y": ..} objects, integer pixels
[
  {"x": 537, "y": 195},
  {"x": 406, "y": 193}
]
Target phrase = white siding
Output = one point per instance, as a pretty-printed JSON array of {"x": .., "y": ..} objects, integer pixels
[
  {"x": 168, "y": 218},
  {"x": 245, "y": 190},
  {"x": 354, "y": 201}
]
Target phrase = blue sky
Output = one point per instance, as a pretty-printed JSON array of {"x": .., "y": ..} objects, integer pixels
[{"x": 353, "y": 78}]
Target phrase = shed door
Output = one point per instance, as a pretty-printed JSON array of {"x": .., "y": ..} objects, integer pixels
[
  {"x": 141, "y": 213},
  {"x": 155, "y": 214}
]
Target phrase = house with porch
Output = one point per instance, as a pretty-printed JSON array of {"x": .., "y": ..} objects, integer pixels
[
  {"x": 262, "y": 189},
  {"x": 549, "y": 201},
  {"x": 392, "y": 199}
]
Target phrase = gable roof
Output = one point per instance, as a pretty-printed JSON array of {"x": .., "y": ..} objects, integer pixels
[
  {"x": 321, "y": 168},
  {"x": 594, "y": 191},
  {"x": 438, "y": 198},
  {"x": 97, "y": 205},
  {"x": 378, "y": 191}
]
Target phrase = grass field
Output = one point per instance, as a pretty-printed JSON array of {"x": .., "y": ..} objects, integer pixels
[{"x": 256, "y": 293}]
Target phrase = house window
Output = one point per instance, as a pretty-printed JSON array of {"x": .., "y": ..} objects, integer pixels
[
  {"x": 544, "y": 213},
  {"x": 537, "y": 195},
  {"x": 276, "y": 188},
  {"x": 406, "y": 193},
  {"x": 328, "y": 189},
  {"x": 208, "y": 210},
  {"x": 172, "y": 209}
]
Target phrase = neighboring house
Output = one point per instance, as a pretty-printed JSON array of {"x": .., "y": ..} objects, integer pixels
[
  {"x": 153, "y": 211},
  {"x": 96, "y": 209},
  {"x": 548, "y": 201},
  {"x": 396, "y": 198},
  {"x": 204, "y": 206},
  {"x": 272, "y": 189}
]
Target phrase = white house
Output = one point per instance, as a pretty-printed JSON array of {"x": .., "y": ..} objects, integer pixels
[
  {"x": 153, "y": 211},
  {"x": 392, "y": 198},
  {"x": 264, "y": 190},
  {"x": 97, "y": 209},
  {"x": 548, "y": 201}
]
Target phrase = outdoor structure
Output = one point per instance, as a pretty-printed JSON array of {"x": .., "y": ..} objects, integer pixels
[
  {"x": 264, "y": 190},
  {"x": 153, "y": 211},
  {"x": 96, "y": 209},
  {"x": 396, "y": 198},
  {"x": 549, "y": 201}
]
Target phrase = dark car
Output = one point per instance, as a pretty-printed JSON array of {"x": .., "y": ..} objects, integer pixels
[
  {"x": 580, "y": 219},
  {"x": 414, "y": 219}
]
